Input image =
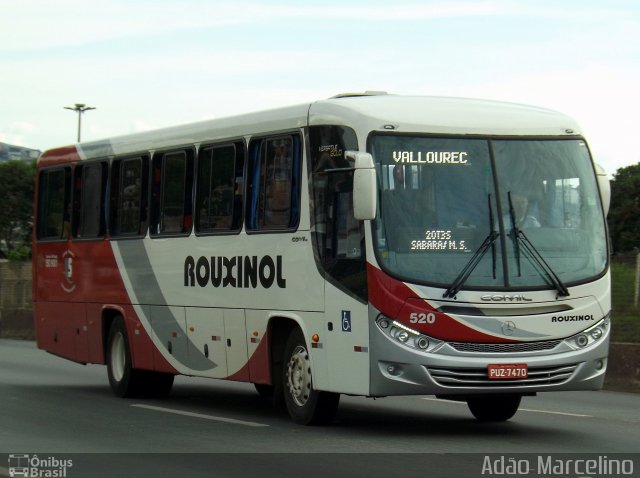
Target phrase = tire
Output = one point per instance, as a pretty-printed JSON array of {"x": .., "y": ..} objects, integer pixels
[
  {"x": 119, "y": 369},
  {"x": 494, "y": 408},
  {"x": 305, "y": 405},
  {"x": 125, "y": 381}
]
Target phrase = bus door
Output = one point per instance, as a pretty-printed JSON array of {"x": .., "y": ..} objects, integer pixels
[{"x": 345, "y": 296}]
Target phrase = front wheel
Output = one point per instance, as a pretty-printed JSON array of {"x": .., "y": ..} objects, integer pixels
[
  {"x": 494, "y": 408},
  {"x": 305, "y": 405}
]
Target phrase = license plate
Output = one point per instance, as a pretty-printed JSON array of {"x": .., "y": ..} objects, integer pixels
[{"x": 507, "y": 371}]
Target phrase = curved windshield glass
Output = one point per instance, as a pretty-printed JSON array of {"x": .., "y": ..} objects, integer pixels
[{"x": 447, "y": 208}]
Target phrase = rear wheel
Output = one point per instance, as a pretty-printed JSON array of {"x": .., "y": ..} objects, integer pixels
[
  {"x": 305, "y": 405},
  {"x": 126, "y": 381},
  {"x": 121, "y": 374},
  {"x": 494, "y": 408}
]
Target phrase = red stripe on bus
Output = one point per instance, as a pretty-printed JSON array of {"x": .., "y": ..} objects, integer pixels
[{"x": 397, "y": 301}]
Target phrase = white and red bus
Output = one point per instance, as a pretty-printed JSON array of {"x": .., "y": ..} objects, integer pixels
[{"x": 367, "y": 245}]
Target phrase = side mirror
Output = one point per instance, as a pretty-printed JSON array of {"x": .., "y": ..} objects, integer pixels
[
  {"x": 364, "y": 185},
  {"x": 605, "y": 188}
]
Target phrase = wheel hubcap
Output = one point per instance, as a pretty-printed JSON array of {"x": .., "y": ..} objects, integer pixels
[
  {"x": 299, "y": 376},
  {"x": 117, "y": 357}
]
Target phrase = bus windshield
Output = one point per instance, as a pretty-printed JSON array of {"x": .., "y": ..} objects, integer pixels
[{"x": 450, "y": 204}]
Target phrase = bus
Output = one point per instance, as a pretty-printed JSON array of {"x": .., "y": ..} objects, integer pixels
[{"x": 367, "y": 244}]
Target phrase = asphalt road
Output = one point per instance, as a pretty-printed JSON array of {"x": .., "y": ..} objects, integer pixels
[{"x": 55, "y": 408}]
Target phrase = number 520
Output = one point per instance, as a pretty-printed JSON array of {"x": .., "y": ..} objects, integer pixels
[{"x": 422, "y": 318}]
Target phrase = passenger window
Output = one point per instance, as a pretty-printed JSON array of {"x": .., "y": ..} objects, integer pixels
[
  {"x": 220, "y": 188},
  {"x": 54, "y": 208},
  {"x": 275, "y": 183},
  {"x": 89, "y": 197},
  {"x": 172, "y": 188},
  {"x": 128, "y": 196}
]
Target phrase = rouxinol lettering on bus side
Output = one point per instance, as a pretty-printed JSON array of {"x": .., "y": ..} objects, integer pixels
[{"x": 237, "y": 271}]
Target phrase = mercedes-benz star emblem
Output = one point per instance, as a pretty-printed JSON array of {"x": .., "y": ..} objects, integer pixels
[{"x": 508, "y": 327}]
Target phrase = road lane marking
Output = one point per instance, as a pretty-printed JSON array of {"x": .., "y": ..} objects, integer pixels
[
  {"x": 199, "y": 415},
  {"x": 579, "y": 415},
  {"x": 443, "y": 400}
]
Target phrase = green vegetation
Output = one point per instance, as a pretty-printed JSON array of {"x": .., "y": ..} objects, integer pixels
[
  {"x": 16, "y": 213},
  {"x": 624, "y": 230},
  {"x": 624, "y": 214},
  {"x": 625, "y": 316}
]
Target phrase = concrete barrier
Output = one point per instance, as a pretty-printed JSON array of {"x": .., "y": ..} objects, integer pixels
[
  {"x": 16, "y": 307},
  {"x": 16, "y": 324}
]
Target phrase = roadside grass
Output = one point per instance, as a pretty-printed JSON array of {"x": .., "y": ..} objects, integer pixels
[{"x": 625, "y": 317}]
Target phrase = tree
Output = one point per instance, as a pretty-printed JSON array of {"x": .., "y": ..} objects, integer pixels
[
  {"x": 624, "y": 214},
  {"x": 16, "y": 209}
]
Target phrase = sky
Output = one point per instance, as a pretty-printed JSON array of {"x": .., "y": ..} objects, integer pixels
[{"x": 146, "y": 64}]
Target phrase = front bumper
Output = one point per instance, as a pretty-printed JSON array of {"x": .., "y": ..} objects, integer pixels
[{"x": 399, "y": 370}]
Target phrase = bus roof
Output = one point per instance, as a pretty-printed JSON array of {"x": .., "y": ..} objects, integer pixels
[
  {"x": 363, "y": 112},
  {"x": 443, "y": 115}
]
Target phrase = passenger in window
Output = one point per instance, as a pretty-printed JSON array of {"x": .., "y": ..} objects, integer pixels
[
  {"x": 522, "y": 213},
  {"x": 278, "y": 187},
  {"x": 66, "y": 223},
  {"x": 222, "y": 198},
  {"x": 398, "y": 177},
  {"x": 281, "y": 166},
  {"x": 130, "y": 206}
]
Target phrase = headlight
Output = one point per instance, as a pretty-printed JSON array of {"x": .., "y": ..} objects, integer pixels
[
  {"x": 406, "y": 335},
  {"x": 402, "y": 336},
  {"x": 422, "y": 342},
  {"x": 589, "y": 336},
  {"x": 582, "y": 340}
]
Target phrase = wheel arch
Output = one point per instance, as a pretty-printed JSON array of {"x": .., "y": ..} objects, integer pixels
[{"x": 279, "y": 328}]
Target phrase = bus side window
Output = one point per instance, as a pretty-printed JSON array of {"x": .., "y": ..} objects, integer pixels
[
  {"x": 220, "y": 187},
  {"x": 171, "y": 205},
  {"x": 274, "y": 183},
  {"x": 54, "y": 204},
  {"x": 90, "y": 186},
  {"x": 128, "y": 196}
]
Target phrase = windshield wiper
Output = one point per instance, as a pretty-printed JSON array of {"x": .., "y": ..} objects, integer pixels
[
  {"x": 518, "y": 238},
  {"x": 542, "y": 264},
  {"x": 514, "y": 232},
  {"x": 476, "y": 258}
]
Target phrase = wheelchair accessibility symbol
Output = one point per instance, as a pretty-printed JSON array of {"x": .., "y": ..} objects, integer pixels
[{"x": 346, "y": 321}]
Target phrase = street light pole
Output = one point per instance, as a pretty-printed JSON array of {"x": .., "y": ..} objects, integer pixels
[{"x": 80, "y": 108}]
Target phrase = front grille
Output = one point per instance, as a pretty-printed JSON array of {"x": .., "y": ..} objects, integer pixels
[
  {"x": 477, "y": 377},
  {"x": 505, "y": 348}
]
